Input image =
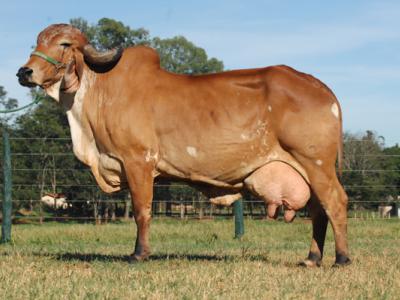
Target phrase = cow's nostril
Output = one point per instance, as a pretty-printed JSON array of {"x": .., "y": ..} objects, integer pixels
[{"x": 24, "y": 72}]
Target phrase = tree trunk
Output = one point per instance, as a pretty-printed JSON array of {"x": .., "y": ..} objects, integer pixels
[
  {"x": 127, "y": 207},
  {"x": 41, "y": 196},
  {"x": 250, "y": 204},
  {"x": 182, "y": 207},
  {"x": 106, "y": 213},
  {"x": 113, "y": 212},
  {"x": 168, "y": 210},
  {"x": 96, "y": 214},
  {"x": 201, "y": 207}
]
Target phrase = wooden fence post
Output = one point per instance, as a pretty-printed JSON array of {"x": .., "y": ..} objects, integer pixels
[{"x": 7, "y": 203}]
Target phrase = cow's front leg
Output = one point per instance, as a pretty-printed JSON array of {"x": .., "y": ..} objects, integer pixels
[{"x": 140, "y": 180}]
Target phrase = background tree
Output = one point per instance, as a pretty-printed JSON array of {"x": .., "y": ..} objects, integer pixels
[
  {"x": 363, "y": 167},
  {"x": 391, "y": 164},
  {"x": 109, "y": 33},
  {"x": 6, "y": 103},
  {"x": 179, "y": 55}
]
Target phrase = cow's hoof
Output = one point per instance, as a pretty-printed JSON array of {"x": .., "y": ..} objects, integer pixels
[
  {"x": 341, "y": 261},
  {"x": 308, "y": 263},
  {"x": 134, "y": 258}
]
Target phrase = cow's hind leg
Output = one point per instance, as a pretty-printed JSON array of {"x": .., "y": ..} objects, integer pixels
[
  {"x": 332, "y": 201},
  {"x": 319, "y": 224}
]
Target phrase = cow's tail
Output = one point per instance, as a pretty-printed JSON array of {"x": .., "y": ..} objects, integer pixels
[{"x": 340, "y": 147}]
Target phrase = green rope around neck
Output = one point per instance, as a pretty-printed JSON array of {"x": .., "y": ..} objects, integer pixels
[{"x": 35, "y": 101}]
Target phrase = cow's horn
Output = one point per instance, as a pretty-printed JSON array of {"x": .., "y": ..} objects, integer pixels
[{"x": 97, "y": 58}]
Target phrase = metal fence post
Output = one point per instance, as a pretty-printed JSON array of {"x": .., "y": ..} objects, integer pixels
[
  {"x": 238, "y": 213},
  {"x": 7, "y": 204}
]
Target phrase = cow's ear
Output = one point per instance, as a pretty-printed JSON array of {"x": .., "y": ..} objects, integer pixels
[
  {"x": 73, "y": 74},
  {"x": 79, "y": 64},
  {"x": 70, "y": 83}
]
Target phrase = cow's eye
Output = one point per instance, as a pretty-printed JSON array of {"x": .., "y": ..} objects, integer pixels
[{"x": 65, "y": 44}]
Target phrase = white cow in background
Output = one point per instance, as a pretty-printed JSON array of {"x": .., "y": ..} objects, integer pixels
[{"x": 55, "y": 201}]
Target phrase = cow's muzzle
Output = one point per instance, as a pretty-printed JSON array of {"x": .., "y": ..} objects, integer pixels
[{"x": 24, "y": 77}]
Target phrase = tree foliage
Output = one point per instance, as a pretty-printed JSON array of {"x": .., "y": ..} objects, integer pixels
[
  {"x": 109, "y": 33},
  {"x": 6, "y": 103},
  {"x": 392, "y": 175},
  {"x": 177, "y": 54},
  {"x": 364, "y": 168}
]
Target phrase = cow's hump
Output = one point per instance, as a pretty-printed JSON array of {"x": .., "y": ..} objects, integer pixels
[{"x": 141, "y": 56}]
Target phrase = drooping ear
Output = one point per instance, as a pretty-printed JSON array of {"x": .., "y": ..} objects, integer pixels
[
  {"x": 70, "y": 82},
  {"x": 79, "y": 63},
  {"x": 73, "y": 74}
]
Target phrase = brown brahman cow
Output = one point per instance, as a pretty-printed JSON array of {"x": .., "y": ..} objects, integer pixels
[{"x": 273, "y": 131}]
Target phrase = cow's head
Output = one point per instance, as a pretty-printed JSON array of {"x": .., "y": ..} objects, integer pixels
[{"x": 59, "y": 59}]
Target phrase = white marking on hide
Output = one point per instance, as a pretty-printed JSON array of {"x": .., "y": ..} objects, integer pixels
[
  {"x": 335, "y": 110},
  {"x": 318, "y": 162},
  {"x": 273, "y": 156},
  {"x": 149, "y": 157},
  {"x": 192, "y": 151},
  {"x": 261, "y": 127},
  {"x": 244, "y": 136},
  {"x": 264, "y": 141},
  {"x": 269, "y": 108}
]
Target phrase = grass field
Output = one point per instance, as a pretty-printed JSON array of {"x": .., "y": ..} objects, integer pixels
[{"x": 197, "y": 259}]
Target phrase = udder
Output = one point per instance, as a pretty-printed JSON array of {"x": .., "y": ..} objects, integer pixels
[{"x": 277, "y": 183}]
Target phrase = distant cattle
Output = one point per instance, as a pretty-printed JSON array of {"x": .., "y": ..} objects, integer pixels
[{"x": 55, "y": 201}]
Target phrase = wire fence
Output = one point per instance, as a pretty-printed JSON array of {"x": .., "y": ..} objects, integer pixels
[{"x": 49, "y": 183}]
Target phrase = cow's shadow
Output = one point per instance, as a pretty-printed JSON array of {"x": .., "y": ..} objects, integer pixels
[{"x": 92, "y": 257}]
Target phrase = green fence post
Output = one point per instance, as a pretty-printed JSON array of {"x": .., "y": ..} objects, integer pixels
[
  {"x": 239, "y": 224},
  {"x": 7, "y": 204}
]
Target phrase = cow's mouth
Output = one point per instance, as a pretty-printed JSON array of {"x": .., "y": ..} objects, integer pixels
[{"x": 27, "y": 83}]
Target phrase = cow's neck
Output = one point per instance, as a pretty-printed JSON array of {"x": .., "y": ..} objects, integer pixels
[
  {"x": 84, "y": 144},
  {"x": 82, "y": 137}
]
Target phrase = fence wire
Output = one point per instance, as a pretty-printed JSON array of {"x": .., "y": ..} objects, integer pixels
[{"x": 75, "y": 196}]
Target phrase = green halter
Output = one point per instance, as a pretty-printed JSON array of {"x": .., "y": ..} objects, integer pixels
[
  {"x": 35, "y": 101},
  {"x": 47, "y": 58}
]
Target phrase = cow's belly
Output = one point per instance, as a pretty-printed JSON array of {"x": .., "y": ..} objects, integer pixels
[{"x": 225, "y": 166}]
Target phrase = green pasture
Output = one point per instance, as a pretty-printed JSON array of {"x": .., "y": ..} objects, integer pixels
[{"x": 197, "y": 260}]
